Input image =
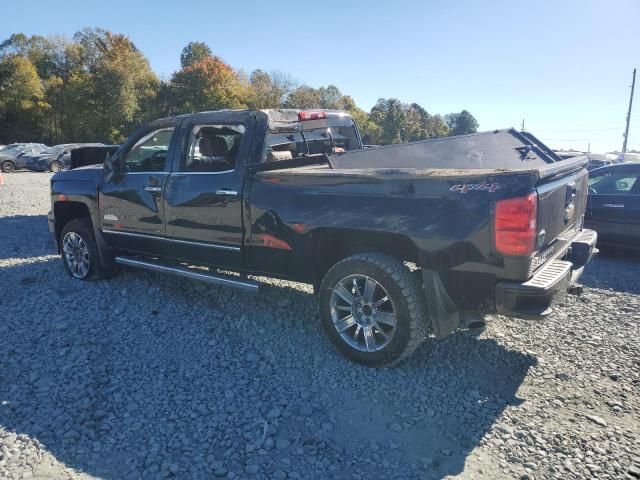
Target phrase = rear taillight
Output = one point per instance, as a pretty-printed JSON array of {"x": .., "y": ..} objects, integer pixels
[
  {"x": 302, "y": 116},
  {"x": 516, "y": 225}
]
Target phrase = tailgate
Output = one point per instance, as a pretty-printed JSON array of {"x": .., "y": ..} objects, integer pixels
[{"x": 562, "y": 200}]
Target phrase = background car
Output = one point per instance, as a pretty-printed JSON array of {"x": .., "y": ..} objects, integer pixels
[
  {"x": 613, "y": 207},
  {"x": 593, "y": 164},
  {"x": 12, "y": 156},
  {"x": 54, "y": 158}
]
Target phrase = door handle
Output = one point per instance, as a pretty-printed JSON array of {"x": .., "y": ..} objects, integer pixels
[
  {"x": 152, "y": 189},
  {"x": 228, "y": 193},
  {"x": 614, "y": 205}
]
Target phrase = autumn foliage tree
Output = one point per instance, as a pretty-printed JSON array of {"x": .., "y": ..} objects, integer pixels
[{"x": 207, "y": 84}]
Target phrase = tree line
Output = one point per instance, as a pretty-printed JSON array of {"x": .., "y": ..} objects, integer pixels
[{"x": 97, "y": 87}]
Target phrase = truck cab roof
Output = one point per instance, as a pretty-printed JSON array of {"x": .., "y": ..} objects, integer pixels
[{"x": 272, "y": 115}]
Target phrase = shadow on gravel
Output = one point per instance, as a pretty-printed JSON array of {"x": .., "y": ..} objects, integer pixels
[
  {"x": 24, "y": 236},
  {"x": 147, "y": 376},
  {"x": 614, "y": 268}
]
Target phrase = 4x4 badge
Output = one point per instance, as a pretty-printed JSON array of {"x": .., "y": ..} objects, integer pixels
[{"x": 468, "y": 187}]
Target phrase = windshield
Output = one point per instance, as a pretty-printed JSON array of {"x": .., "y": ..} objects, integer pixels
[
  {"x": 6, "y": 148},
  {"x": 332, "y": 139}
]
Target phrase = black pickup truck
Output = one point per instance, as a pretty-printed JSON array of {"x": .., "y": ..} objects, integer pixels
[{"x": 400, "y": 242}]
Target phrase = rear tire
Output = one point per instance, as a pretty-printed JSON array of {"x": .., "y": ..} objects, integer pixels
[
  {"x": 8, "y": 166},
  {"x": 55, "y": 166},
  {"x": 79, "y": 251},
  {"x": 373, "y": 309}
]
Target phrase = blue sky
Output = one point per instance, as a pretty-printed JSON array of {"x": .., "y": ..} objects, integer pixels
[{"x": 565, "y": 66}]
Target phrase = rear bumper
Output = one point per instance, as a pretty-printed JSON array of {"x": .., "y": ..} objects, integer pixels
[{"x": 534, "y": 298}]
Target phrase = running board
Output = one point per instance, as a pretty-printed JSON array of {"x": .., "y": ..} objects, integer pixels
[{"x": 182, "y": 271}]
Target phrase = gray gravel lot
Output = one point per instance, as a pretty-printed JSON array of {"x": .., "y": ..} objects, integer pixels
[{"x": 147, "y": 376}]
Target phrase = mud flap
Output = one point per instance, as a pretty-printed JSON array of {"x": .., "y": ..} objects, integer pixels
[
  {"x": 104, "y": 252},
  {"x": 443, "y": 313}
]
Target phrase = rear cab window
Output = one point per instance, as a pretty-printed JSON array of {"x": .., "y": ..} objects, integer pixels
[{"x": 335, "y": 134}]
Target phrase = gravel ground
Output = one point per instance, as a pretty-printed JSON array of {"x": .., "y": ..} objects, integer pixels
[{"x": 146, "y": 376}]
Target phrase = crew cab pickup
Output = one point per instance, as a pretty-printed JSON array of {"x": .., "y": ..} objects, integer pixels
[{"x": 401, "y": 242}]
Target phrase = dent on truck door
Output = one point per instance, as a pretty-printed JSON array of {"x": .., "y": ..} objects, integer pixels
[
  {"x": 131, "y": 207},
  {"x": 203, "y": 197}
]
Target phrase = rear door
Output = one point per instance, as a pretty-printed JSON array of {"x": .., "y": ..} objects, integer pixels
[
  {"x": 610, "y": 201},
  {"x": 203, "y": 195}
]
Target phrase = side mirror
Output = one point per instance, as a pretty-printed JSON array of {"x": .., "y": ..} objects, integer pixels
[{"x": 111, "y": 169}]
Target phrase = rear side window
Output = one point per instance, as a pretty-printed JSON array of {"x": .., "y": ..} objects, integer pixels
[
  {"x": 213, "y": 148},
  {"x": 613, "y": 183}
]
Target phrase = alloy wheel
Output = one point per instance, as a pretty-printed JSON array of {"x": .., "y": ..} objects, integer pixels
[
  {"x": 76, "y": 254},
  {"x": 363, "y": 313}
]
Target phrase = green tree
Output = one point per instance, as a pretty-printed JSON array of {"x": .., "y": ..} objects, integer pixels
[
  {"x": 461, "y": 123},
  {"x": 369, "y": 130},
  {"x": 268, "y": 90},
  {"x": 303, "y": 97},
  {"x": 390, "y": 116},
  {"x": 194, "y": 52}
]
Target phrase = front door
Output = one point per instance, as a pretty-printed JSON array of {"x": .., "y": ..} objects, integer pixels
[
  {"x": 131, "y": 208},
  {"x": 203, "y": 196}
]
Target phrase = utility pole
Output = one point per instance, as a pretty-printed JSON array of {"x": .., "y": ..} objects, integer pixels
[
  {"x": 626, "y": 131},
  {"x": 522, "y": 129}
]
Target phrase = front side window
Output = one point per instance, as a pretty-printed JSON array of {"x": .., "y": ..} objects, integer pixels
[
  {"x": 213, "y": 148},
  {"x": 149, "y": 154},
  {"x": 613, "y": 183}
]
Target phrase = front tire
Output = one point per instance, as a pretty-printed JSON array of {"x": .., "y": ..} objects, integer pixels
[
  {"x": 8, "y": 166},
  {"x": 79, "y": 251},
  {"x": 55, "y": 166},
  {"x": 373, "y": 309}
]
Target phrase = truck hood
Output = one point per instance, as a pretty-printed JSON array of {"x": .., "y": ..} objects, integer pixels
[{"x": 91, "y": 173}]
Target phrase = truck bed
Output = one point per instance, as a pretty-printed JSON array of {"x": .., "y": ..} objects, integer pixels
[
  {"x": 440, "y": 192},
  {"x": 507, "y": 149}
]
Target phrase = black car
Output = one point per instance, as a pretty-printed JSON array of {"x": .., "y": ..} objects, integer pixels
[
  {"x": 492, "y": 221},
  {"x": 613, "y": 208}
]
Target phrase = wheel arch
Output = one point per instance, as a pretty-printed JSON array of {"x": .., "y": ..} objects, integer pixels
[
  {"x": 330, "y": 245},
  {"x": 66, "y": 211}
]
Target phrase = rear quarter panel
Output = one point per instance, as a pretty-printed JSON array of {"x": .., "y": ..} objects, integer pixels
[{"x": 447, "y": 217}]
